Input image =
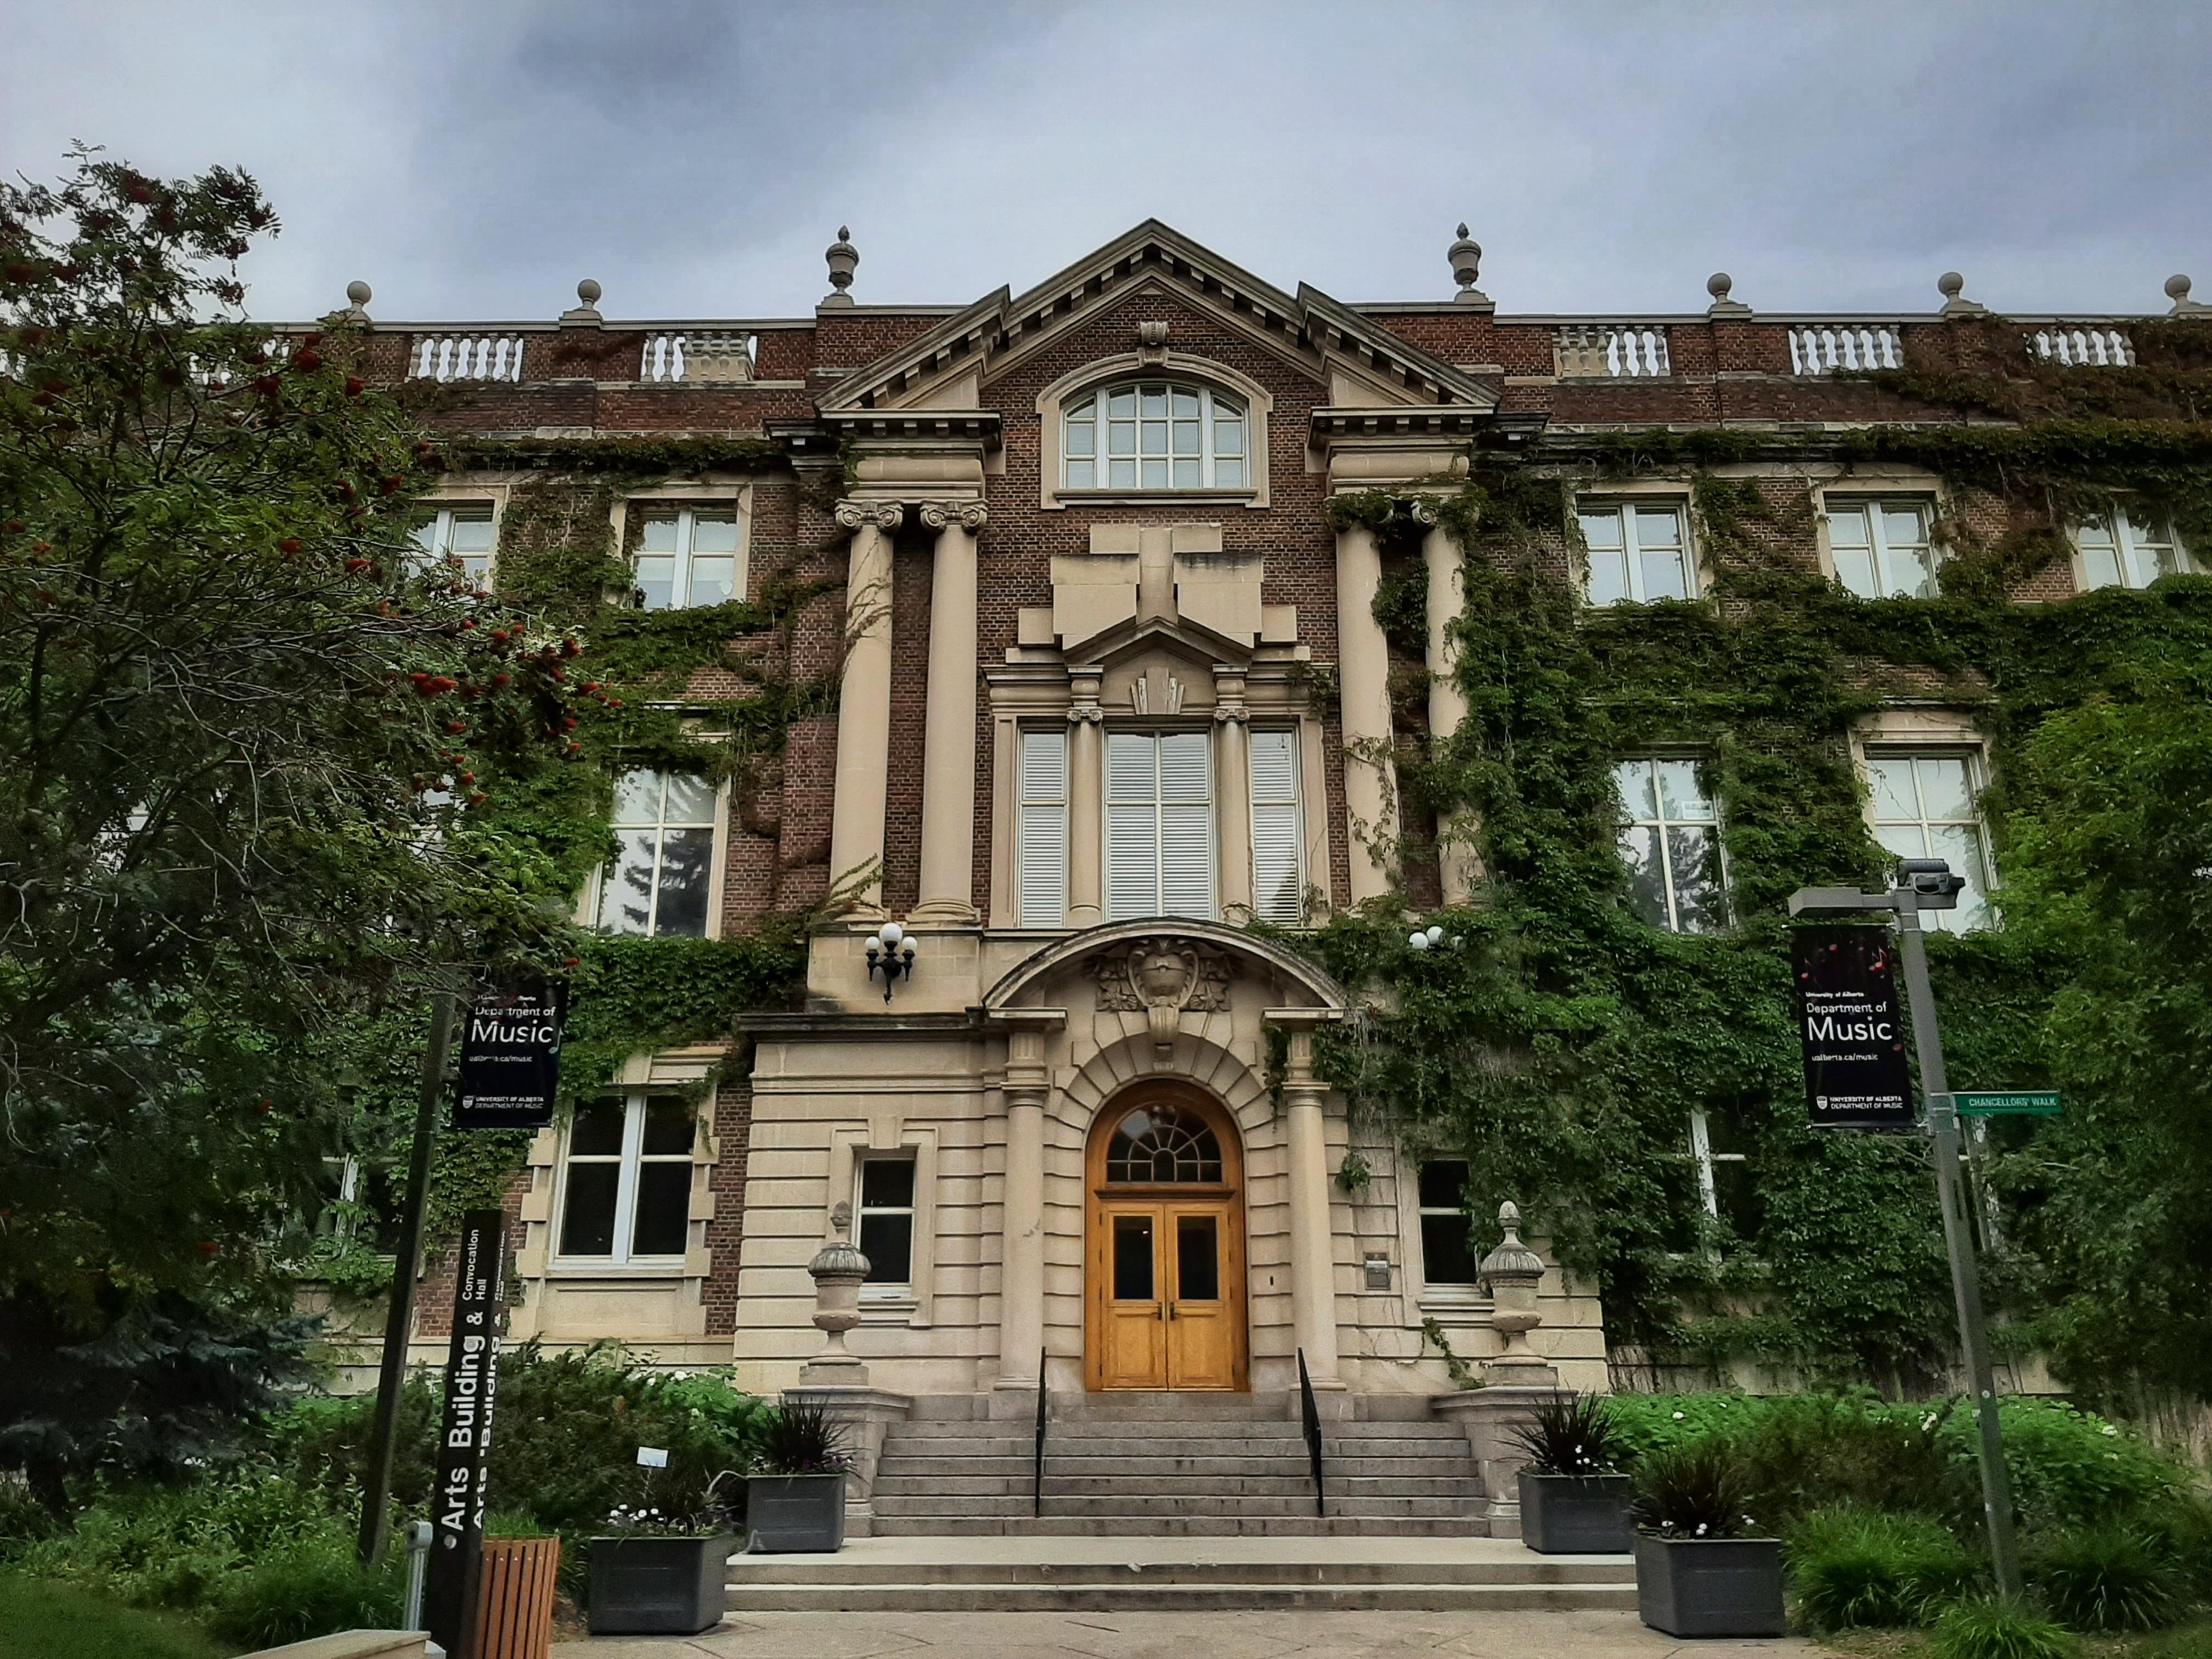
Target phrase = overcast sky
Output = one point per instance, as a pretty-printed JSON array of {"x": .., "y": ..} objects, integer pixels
[{"x": 471, "y": 159}]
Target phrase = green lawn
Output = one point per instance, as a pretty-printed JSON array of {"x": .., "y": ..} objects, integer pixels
[{"x": 41, "y": 1619}]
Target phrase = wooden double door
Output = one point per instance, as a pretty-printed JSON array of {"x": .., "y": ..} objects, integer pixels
[{"x": 1165, "y": 1278}]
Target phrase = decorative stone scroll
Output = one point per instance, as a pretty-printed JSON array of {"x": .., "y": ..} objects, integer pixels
[
  {"x": 968, "y": 515},
  {"x": 1159, "y": 978}
]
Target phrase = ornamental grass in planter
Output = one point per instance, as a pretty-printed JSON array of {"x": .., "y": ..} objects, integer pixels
[
  {"x": 1574, "y": 1501},
  {"x": 657, "y": 1573},
  {"x": 795, "y": 1498},
  {"x": 1700, "y": 1568}
]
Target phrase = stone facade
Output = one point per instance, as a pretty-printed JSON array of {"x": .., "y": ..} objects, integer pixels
[{"x": 977, "y": 598}]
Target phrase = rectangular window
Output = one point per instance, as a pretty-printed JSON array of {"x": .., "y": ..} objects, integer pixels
[
  {"x": 1159, "y": 824},
  {"x": 1041, "y": 828},
  {"x": 1637, "y": 554},
  {"x": 687, "y": 556},
  {"x": 1923, "y": 808},
  {"x": 1670, "y": 839},
  {"x": 1881, "y": 548},
  {"x": 458, "y": 537},
  {"x": 627, "y": 1180},
  {"x": 1724, "y": 1183},
  {"x": 362, "y": 1202},
  {"x": 2116, "y": 552},
  {"x": 1278, "y": 886},
  {"x": 1447, "y": 1235},
  {"x": 657, "y": 887},
  {"x": 884, "y": 1226}
]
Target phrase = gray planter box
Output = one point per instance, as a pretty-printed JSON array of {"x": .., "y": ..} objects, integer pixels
[
  {"x": 793, "y": 1514},
  {"x": 1575, "y": 1513},
  {"x": 658, "y": 1586},
  {"x": 1709, "y": 1586}
]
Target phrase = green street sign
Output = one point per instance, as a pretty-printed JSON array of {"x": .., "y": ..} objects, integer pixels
[{"x": 2005, "y": 1103}]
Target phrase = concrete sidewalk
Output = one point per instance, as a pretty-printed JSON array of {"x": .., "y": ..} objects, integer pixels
[{"x": 1245, "y": 1635}]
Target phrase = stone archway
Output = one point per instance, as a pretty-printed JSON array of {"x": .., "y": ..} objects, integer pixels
[{"x": 1165, "y": 1293}]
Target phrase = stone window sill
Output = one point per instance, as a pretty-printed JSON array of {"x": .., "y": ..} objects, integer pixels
[
  {"x": 1150, "y": 498},
  {"x": 591, "y": 1270}
]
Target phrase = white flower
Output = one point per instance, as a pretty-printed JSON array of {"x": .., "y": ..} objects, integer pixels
[
  {"x": 1701, "y": 1529},
  {"x": 2110, "y": 1430},
  {"x": 1679, "y": 1416}
]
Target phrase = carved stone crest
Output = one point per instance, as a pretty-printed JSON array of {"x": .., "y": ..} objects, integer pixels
[{"x": 1159, "y": 978}]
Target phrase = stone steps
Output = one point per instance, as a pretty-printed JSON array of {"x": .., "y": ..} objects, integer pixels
[
  {"x": 1139, "y": 1507},
  {"x": 1179, "y": 1523},
  {"x": 1060, "y": 1486},
  {"x": 1021, "y": 1465}
]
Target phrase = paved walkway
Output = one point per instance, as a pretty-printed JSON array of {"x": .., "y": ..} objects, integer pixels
[{"x": 1177, "y": 1636}]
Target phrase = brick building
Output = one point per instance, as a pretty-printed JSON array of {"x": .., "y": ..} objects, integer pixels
[{"x": 1112, "y": 689}]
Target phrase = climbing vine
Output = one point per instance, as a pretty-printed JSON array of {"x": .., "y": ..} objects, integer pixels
[{"x": 1562, "y": 1045}]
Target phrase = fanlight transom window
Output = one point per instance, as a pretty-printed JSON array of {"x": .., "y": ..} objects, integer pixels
[
  {"x": 1156, "y": 1144},
  {"x": 1156, "y": 434}
]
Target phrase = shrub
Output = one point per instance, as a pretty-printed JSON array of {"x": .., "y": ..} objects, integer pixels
[
  {"x": 1569, "y": 1436},
  {"x": 801, "y": 1440},
  {"x": 2106, "y": 1578},
  {"x": 2182, "y": 1525},
  {"x": 1691, "y": 1491},
  {"x": 1851, "y": 1567},
  {"x": 1988, "y": 1627},
  {"x": 309, "y": 1589}
]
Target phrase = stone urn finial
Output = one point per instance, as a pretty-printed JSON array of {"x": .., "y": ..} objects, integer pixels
[
  {"x": 838, "y": 1270},
  {"x": 844, "y": 258},
  {"x": 1512, "y": 1272},
  {"x": 1465, "y": 257},
  {"x": 358, "y": 295},
  {"x": 2176, "y": 289}
]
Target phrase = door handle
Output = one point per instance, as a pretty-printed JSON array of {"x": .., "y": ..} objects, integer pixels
[{"x": 1171, "y": 1312}]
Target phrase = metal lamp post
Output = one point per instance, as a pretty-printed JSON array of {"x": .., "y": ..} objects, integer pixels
[{"x": 1929, "y": 884}]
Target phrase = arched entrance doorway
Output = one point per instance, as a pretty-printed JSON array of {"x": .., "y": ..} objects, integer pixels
[{"x": 1164, "y": 1263}]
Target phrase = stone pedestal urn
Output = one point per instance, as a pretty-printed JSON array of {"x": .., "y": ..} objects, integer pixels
[
  {"x": 1513, "y": 1271},
  {"x": 838, "y": 1270}
]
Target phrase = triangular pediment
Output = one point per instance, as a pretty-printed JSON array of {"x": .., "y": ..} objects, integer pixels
[{"x": 1356, "y": 360}]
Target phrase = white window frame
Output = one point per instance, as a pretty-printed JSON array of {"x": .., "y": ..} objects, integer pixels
[
  {"x": 1041, "y": 830},
  {"x": 1701, "y": 1150},
  {"x": 888, "y": 1289},
  {"x": 1444, "y": 1290},
  {"x": 438, "y": 551},
  {"x": 2131, "y": 543},
  {"x": 1875, "y": 505},
  {"x": 1211, "y": 804},
  {"x": 686, "y": 554},
  {"x": 1093, "y": 409},
  {"x": 595, "y": 897},
  {"x": 1663, "y": 824},
  {"x": 630, "y": 1160},
  {"x": 1626, "y": 508},
  {"x": 1279, "y": 810},
  {"x": 1084, "y": 382},
  {"x": 1950, "y": 922}
]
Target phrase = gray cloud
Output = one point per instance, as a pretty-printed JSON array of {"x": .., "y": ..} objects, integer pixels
[{"x": 474, "y": 159}]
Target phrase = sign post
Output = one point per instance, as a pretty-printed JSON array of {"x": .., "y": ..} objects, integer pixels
[
  {"x": 457, "y": 1496},
  {"x": 1928, "y": 882},
  {"x": 1855, "y": 1077},
  {"x": 511, "y": 1058}
]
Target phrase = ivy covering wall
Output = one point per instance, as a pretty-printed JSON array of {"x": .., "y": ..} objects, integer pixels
[{"x": 1562, "y": 1045}]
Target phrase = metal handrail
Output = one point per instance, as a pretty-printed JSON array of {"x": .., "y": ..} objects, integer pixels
[
  {"x": 1312, "y": 1415},
  {"x": 1038, "y": 1475}
]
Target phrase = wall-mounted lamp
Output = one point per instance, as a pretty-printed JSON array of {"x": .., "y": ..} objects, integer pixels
[
  {"x": 891, "y": 953},
  {"x": 1431, "y": 937}
]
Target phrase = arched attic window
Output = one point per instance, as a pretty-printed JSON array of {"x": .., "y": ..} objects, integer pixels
[{"x": 1155, "y": 434}]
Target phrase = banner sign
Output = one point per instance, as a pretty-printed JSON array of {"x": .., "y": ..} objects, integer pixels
[
  {"x": 511, "y": 1058},
  {"x": 1855, "y": 1076},
  {"x": 2005, "y": 1103},
  {"x": 457, "y": 1497}
]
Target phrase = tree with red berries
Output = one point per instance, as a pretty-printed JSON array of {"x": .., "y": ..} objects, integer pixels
[{"x": 241, "y": 733}]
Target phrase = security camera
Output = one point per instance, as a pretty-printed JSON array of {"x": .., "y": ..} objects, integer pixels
[{"x": 1932, "y": 881}]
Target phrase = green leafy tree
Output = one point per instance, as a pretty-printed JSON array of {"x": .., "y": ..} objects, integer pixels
[{"x": 242, "y": 736}]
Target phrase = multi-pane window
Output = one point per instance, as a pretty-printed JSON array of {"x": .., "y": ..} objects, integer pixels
[
  {"x": 1278, "y": 886},
  {"x": 360, "y": 1202},
  {"x": 1670, "y": 839},
  {"x": 1447, "y": 1235},
  {"x": 664, "y": 827},
  {"x": 1724, "y": 1182},
  {"x": 1923, "y": 808},
  {"x": 687, "y": 556},
  {"x": 1155, "y": 435},
  {"x": 1041, "y": 829},
  {"x": 2117, "y": 552},
  {"x": 627, "y": 1180},
  {"x": 1881, "y": 548},
  {"x": 458, "y": 537},
  {"x": 884, "y": 1223},
  {"x": 1159, "y": 824},
  {"x": 1637, "y": 553}
]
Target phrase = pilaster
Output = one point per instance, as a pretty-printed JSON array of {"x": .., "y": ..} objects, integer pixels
[
  {"x": 948, "y": 783},
  {"x": 1457, "y": 859},
  {"x": 1232, "y": 793},
  {"x": 1362, "y": 669},
  {"x": 1313, "y": 1259},
  {"x": 1087, "y": 763},
  {"x": 864, "y": 706}
]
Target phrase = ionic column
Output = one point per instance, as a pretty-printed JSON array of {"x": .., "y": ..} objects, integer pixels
[
  {"x": 863, "y": 704},
  {"x": 948, "y": 777},
  {"x": 1362, "y": 669},
  {"x": 1313, "y": 1255},
  {"x": 1232, "y": 793},
  {"x": 1086, "y": 767},
  {"x": 1458, "y": 860},
  {"x": 1021, "y": 1273}
]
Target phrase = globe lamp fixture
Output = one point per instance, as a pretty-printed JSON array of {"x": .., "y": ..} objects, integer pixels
[{"x": 890, "y": 953}]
